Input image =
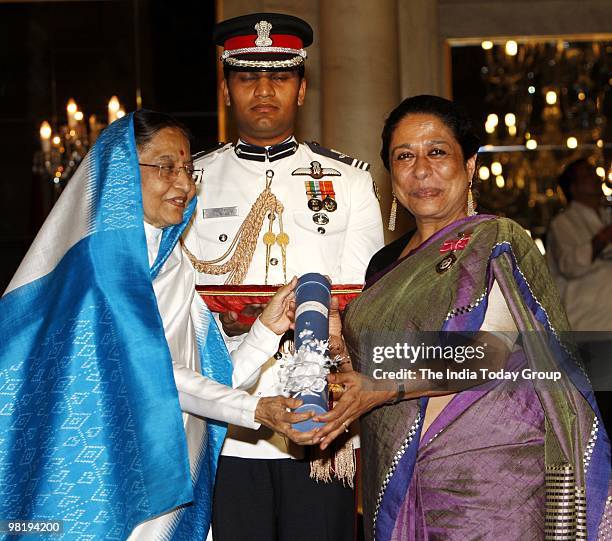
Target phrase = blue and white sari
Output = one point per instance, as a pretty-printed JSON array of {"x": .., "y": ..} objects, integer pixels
[{"x": 91, "y": 431}]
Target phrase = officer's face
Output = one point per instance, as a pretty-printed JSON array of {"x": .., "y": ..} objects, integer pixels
[
  {"x": 429, "y": 175},
  {"x": 264, "y": 104},
  {"x": 165, "y": 194}
]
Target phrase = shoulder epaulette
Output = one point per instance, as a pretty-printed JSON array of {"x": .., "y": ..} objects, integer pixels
[
  {"x": 335, "y": 155},
  {"x": 210, "y": 150}
]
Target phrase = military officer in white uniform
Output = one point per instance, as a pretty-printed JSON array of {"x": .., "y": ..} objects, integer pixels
[
  {"x": 291, "y": 208},
  {"x": 330, "y": 235}
]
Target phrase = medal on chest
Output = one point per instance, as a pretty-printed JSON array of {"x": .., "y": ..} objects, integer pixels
[{"x": 320, "y": 194}]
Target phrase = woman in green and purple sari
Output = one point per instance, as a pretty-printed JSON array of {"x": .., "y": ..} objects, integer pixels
[{"x": 503, "y": 460}]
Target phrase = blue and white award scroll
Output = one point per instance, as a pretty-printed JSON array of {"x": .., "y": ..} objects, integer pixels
[{"x": 304, "y": 375}]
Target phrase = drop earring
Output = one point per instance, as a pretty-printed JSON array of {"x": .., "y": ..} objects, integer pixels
[
  {"x": 471, "y": 210},
  {"x": 393, "y": 214}
]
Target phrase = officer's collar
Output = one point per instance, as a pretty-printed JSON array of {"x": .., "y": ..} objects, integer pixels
[{"x": 259, "y": 154}]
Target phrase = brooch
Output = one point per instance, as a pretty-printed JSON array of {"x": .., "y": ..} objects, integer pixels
[
  {"x": 446, "y": 263},
  {"x": 451, "y": 246}
]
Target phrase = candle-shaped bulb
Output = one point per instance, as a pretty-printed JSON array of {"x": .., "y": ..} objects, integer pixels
[
  {"x": 71, "y": 109},
  {"x": 45, "y": 136},
  {"x": 113, "y": 104},
  {"x": 45, "y": 130},
  {"x": 113, "y": 108}
]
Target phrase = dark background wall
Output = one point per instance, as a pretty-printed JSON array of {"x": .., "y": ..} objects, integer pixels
[{"x": 88, "y": 50}]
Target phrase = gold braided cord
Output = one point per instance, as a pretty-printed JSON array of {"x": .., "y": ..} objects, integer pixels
[
  {"x": 282, "y": 239},
  {"x": 244, "y": 242}
]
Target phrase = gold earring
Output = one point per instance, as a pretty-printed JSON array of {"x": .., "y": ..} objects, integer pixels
[
  {"x": 471, "y": 210},
  {"x": 393, "y": 214}
]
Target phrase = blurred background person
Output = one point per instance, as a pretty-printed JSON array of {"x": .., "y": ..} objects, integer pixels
[{"x": 580, "y": 259}]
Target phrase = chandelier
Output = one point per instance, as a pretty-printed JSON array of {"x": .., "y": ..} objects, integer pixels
[
  {"x": 63, "y": 147},
  {"x": 544, "y": 108}
]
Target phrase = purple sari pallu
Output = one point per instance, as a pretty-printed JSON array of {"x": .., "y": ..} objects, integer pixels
[
  {"x": 504, "y": 461},
  {"x": 459, "y": 477}
]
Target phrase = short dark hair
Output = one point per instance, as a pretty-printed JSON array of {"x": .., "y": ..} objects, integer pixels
[
  {"x": 453, "y": 116},
  {"x": 568, "y": 176},
  {"x": 301, "y": 71},
  {"x": 147, "y": 123}
]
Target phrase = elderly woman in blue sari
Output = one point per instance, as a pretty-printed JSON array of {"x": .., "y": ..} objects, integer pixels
[
  {"x": 501, "y": 460},
  {"x": 100, "y": 327}
]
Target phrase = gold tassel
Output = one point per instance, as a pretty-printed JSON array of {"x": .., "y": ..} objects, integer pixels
[
  {"x": 471, "y": 210},
  {"x": 393, "y": 214},
  {"x": 236, "y": 260},
  {"x": 338, "y": 460},
  {"x": 339, "y": 464}
]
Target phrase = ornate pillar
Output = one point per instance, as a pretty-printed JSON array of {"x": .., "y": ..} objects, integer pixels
[
  {"x": 420, "y": 56},
  {"x": 359, "y": 79}
]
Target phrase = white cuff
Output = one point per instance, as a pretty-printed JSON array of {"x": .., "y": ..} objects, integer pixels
[
  {"x": 253, "y": 352},
  {"x": 262, "y": 338},
  {"x": 249, "y": 406},
  {"x": 204, "y": 397}
]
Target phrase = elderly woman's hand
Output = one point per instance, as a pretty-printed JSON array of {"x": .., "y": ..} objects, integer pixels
[
  {"x": 361, "y": 394},
  {"x": 273, "y": 412},
  {"x": 279, "y": 313}
]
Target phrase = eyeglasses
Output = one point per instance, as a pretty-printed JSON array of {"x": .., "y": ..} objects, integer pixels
[{"x": 170, "y": 173}]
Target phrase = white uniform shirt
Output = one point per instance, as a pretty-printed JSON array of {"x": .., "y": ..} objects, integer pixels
[
  {"x": 341, "y": 249},
  {"x": 585, "y": 284}
]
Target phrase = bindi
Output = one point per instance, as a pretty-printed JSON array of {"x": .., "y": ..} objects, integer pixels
[{"x": 182, "y": 152}]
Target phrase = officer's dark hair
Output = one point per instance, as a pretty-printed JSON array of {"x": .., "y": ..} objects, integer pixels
[
  {"x": 568, "y": 176},
  {"x": 147, "y": 123},
  {"x": 453, "y": 116},
  {"x": 301, "y": 71}
]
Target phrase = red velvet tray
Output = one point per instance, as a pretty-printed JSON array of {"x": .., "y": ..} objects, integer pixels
[{"x": 226, "y": 298}]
